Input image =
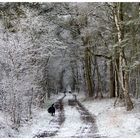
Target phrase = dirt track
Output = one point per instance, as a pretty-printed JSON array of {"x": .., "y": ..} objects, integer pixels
[{"x": 88, "y": 128}]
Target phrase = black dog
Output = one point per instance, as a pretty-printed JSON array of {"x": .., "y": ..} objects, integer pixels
[{"x": 51, "y": 110}]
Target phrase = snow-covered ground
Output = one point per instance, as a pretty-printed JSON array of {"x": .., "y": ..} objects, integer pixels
[
  {"x": 111, "y": 122},
  {"x": 115, "y": 122},
  {"x": 42, "y": 119},
  {"x": 40, "y": 122},
  {"x": 37, "y": 125},
  {"x": 5, "y": 126},
  {"x": 72, "y": 122}
]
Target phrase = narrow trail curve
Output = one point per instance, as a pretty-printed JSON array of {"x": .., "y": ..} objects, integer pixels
[
  {"x": 89, "y": 128},
  {"x": 55, "y": 123}
]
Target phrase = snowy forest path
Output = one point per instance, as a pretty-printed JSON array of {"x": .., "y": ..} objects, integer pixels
[
  {"x": 55, "y": 123},
  {"x": 89, "y": 128},
  {"x": 79, "y": 123},
  {"x": 86, "y": 129}
]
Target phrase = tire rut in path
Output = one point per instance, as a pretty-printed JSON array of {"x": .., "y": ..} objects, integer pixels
[
  {"x": 55, "y": 123},
  {"x": 89, "y": 128}
]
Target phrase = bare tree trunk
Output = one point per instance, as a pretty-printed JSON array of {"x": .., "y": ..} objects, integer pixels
[
  {"x": 137, "y": 83},
  {"x": 88, "y": 72},
  {"x": 99, "y": 85},
  {"x": 112, "y": 80},
  {"x": 138, "y": 68},
  {"x": 128, "y": 101},
  {"x": 30, "y": 104},
  {"x": 74, "y": 82},
  {"x": 122, "y": 72}
]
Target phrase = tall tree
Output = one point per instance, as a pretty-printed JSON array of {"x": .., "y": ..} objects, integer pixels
[{"x": 123, "y": 73}]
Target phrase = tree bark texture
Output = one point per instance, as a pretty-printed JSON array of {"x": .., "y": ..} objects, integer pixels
[{"x": 122, "y": 72}]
